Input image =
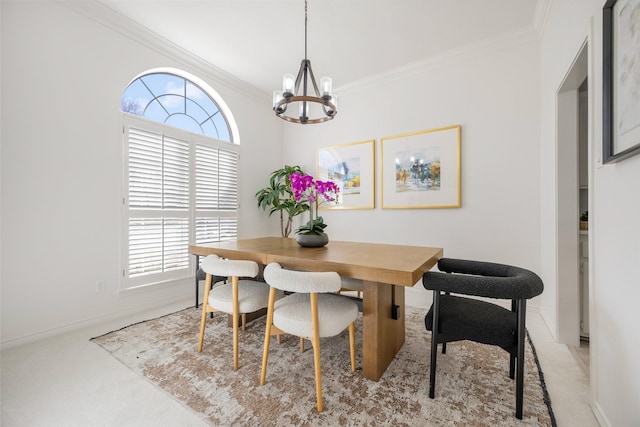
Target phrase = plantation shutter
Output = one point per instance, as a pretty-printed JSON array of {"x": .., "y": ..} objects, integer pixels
[
  {"x": 216, "y": 194},
  {"x": 181, "y": 188}
]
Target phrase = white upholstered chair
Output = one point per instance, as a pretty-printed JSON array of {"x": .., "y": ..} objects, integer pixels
[
  {"x": 351, "y": 285},
  {"x": 235, "y": 298},
  {"x": 312, "y": 311}
]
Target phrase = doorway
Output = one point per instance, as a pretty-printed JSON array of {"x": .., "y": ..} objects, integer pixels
[{"x": 572, "y": 194}]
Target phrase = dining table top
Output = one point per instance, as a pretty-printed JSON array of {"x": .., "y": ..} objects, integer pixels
[{"x": 394, "y": 264}]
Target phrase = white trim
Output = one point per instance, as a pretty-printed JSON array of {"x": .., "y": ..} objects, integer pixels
[
  {"x": 566, "y": 199},
  {"x": 600, "y": 415},
  {"x": 549, "y": 324},
  {"x": 206, "y": 87},
  {"x": 165, "y": 284},
  {"x": 540, "y": 15},
  {"x": 594, "y": 336},
  {"x": 185, "y": 296}
]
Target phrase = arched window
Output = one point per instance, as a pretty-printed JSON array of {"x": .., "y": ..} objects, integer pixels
[
  {"x": 176, "y": 101},
  {"x": 180, "y": 175}
]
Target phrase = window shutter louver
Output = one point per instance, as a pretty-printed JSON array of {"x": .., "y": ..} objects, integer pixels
[
  {"x": 206, "y": 177},
  {"x": 207, "y": 230},
  {"x": 228, "y": 229},
  {"x": 145, "y": 169},
  {"x": 145, "y": 246},
  {"x": 175, "y": 174},
  {"x": 176, "y": 244},
  {"x": 228, "y": 180}
]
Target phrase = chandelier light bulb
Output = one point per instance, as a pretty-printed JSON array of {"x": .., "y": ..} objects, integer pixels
[
  {"x": 325, "y": 85},
  {"x": 277, "y": 97},
  {"x": 288, "y": 83}
]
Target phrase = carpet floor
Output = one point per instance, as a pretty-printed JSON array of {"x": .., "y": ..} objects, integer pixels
[{"x": 473, "y": 387}]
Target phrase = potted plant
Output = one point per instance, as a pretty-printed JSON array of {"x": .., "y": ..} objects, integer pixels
[
  {"x": 584, "y": 220},
  {"x": 304, "y": 187},
  {"x": 279, "y": 197}
]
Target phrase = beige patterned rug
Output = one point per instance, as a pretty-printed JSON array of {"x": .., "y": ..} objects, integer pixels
[{"x": 472, "y": 389}]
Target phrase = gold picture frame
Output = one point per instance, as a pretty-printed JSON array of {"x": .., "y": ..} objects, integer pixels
[
  {"x": 421, "y": 170},
  {"x": 352, "y": 167}
]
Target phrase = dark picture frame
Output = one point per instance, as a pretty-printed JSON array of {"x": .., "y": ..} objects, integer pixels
[{"x": 613, "y": 48}]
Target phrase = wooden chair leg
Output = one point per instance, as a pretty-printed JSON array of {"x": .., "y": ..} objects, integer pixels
[
  {"x": 352, "y": 345},
  {"x": 234, "y": 284},
  {"x": 267, "y": 334},
  {"x": 316, "y": 348},
  {"x": 205, "y": 303},
  {"x": 244, "y": 321},
  {"x": 301, "y": 345}
]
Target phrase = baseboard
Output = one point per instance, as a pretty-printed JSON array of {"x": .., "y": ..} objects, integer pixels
[
  {"x": 600, "y": 416},
  {"x": 550, "y": 325},
  {"x": 186, "y": 297}
]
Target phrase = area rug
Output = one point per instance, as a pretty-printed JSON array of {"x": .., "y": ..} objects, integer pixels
[{"x": 472, "y": 389}]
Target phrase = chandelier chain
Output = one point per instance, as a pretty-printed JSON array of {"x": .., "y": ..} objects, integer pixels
[{"x": 305, "y": 29}]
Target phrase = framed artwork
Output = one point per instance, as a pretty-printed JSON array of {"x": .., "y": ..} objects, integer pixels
[
  {"x": 351, "y": 167},
  {"x": 621, "y": 85},
  {"x": 421, "y": 169}
]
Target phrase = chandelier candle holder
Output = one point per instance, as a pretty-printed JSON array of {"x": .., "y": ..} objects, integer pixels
[{"x": 296, "y": 90}]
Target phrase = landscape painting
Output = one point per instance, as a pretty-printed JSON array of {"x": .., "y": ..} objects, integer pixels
[
  {"x": 418, "y": 170},
  {"x": 351, "y": 167},
  {"x": 421, "y": 169}
]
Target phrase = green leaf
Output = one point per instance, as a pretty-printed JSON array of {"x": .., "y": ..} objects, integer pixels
[{"x": 278, "y": 196}]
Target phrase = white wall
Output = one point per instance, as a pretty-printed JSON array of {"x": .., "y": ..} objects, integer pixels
[
  {"x": 491, "y": 90},
  {"x": 63, "y": 75},
  {"x": 615, "y": 201}
]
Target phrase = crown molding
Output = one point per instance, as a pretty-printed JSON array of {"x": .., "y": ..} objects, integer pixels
[
  {"x": 482, "y": 48},
  {"x": 540, "y": 15},
  {"x": 113, "y": 20}
]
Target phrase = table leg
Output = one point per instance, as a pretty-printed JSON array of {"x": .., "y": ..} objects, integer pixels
[{"x": 382, "y": 336}]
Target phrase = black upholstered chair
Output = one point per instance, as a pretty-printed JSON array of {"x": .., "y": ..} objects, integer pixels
[{"x": 457, "y": 318}]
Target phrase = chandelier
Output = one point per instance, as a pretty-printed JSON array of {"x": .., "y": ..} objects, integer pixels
[{"x": 310, "y": 109}]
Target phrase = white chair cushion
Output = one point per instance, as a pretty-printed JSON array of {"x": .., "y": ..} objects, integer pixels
[
  {"x": 213, "y": 264},
  {"x": 301, "y": 281},
  {"x": 292, "y": 314},
  {"x": 252, "y": 296}
]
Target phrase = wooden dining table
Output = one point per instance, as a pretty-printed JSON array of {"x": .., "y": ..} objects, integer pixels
[{"x": 384, "y": 269}]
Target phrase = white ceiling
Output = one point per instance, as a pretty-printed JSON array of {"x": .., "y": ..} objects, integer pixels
[{"x": 259, "y": 40}]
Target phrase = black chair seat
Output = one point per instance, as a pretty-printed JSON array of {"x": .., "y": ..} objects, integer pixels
[{"x": 479, "y": 321}]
